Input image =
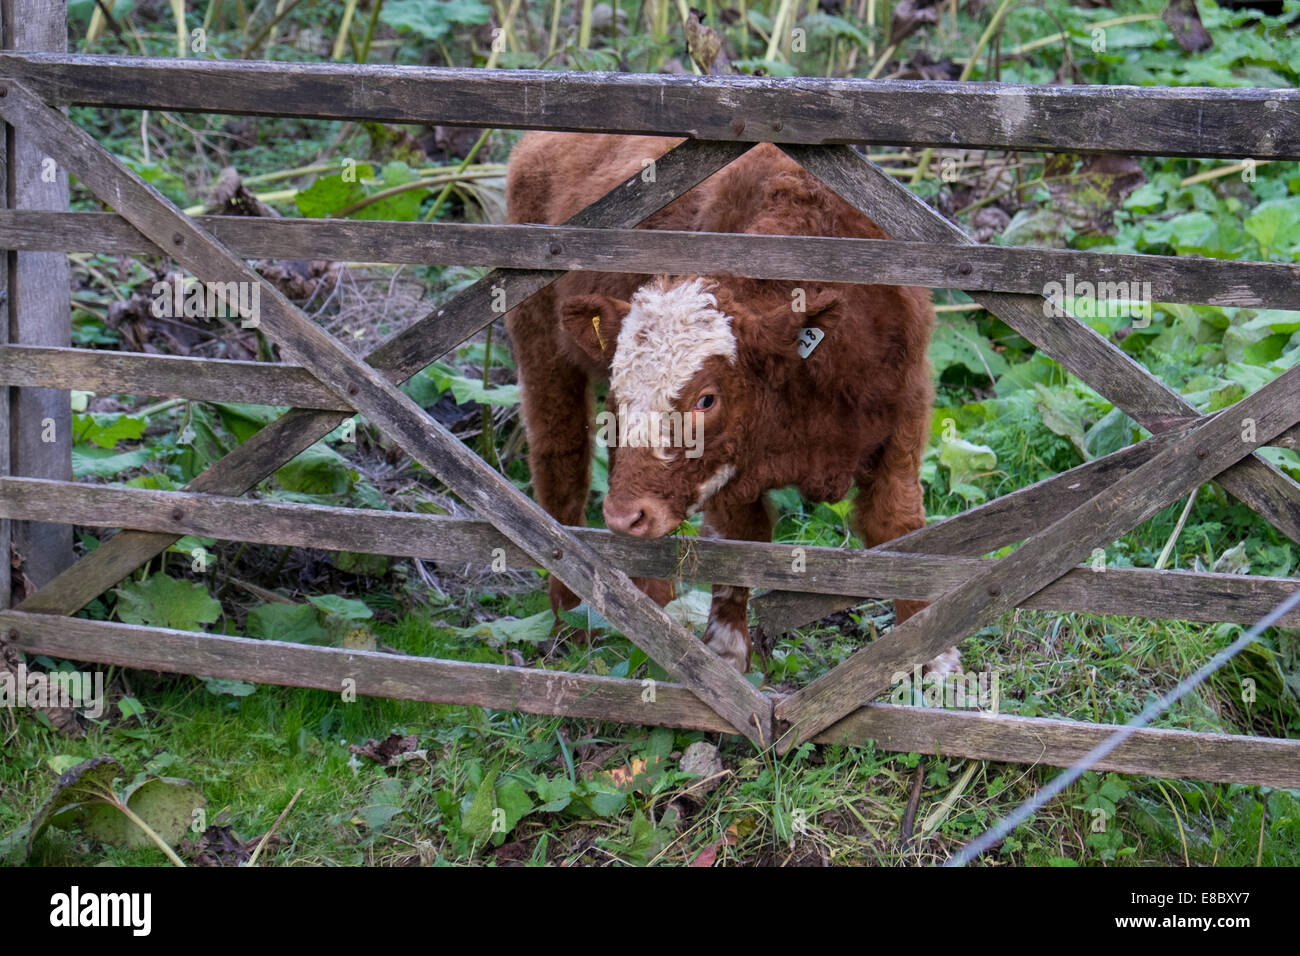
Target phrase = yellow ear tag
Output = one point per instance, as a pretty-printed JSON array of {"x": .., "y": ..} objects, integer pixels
[{"x": 595, "y": 325}]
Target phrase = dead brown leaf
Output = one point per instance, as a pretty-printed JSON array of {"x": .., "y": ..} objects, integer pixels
[
  {"x": 705, "y": 45},
  {"x": 1185, "y": 22},
  {"x": 707, "y": 856},
  {"x": 219, "y": 846},
  {"x": 231, "y": 198},
  {"x": 1088, "y": 197},
  {"x": 387, "y": 751},
  {"x": 909, "y": 16}
]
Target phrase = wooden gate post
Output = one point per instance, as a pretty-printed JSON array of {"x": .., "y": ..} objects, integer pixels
[{"x": 37, "y": 422}]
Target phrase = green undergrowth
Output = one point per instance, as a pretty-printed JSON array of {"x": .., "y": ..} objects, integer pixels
[{"x": 595, "y": 793}]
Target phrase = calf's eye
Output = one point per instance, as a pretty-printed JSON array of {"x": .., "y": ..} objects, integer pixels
[{"x": 704, "y": 401}]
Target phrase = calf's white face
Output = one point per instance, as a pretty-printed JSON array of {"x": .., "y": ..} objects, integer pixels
[
  {"x": 663, "y": 343},
  {"x": 670, "y": 359}
]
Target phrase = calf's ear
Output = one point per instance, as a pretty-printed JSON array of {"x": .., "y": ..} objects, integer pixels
[
  {"x": 770, "y": 343},
  {"x": 594, "y": 322}
]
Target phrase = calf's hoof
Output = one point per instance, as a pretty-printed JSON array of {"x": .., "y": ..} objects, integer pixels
[
  {"x": 946, "y": 664},
  {"x": 729, "y": 642}
]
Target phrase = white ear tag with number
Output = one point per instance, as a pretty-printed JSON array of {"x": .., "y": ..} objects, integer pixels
[{"x": 809, "y": 339}]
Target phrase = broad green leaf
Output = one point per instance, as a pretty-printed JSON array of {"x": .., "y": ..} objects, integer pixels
[
  {"x": 319, "y": 470},
  {"x": 224, "y": 686},
  {"x": 1221, "y": 398},
  {"x": 1275, "y": 223},
  {"x": 130, "y": 707},
  {"x": 385, "y": 803},
  {"x": 328, "y": 194},
  {"x": 162, "y": 601},
  {"x": 691, "y": 609},
  {"x": 477, "y": 820},
  {"x": 1065, "y": 413},
  {"x": 1248, "y": 376},
  {"x": 512, "y": 798},
  {"x": 1285, "y": 458},
  {"x": 403, "y": 206},
  {"x": 166, "y": 804},
  {"x": 244, "y": 421},
  {"x": 62, "y": 763},
  {"x": 1274, "y": 320},
  {"x": 1114, "y": 788},
  {"x": 468, "y": 390},
  {"x": 199, "y": 444},
  {"x": 585, "y": 617},
  {"x": 1042, "y": 228},
  {"x": 425, "y": 387},
  {"x": 1040, "y": 368},
  {"x": 1233, "y": 561},
  {"x": 433, "y": 19},
  {"x": 1113, "y": 431},
  {"x": 78, "y": 784},
  {"x": 346, "y": 608},
  {"x": 159, "y": 177},
  {"x": 188, "y": 544},
  {"x": 972, "y": 494},
  {"x": 532, "y": 630},
  {"x": 105, "y": 429},
  {"x": 89, "y": 460},
  {"x": 959, "y": 342},
  {"x": 964, "y": 460},
  {"x": 607, "y": 803},
  {"x": 297, "y": 623},
  {"x": 555, "y": 794},
  {"x": 661, "y": 743}
]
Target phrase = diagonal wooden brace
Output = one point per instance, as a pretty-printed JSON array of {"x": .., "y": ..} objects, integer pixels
[
  {"x": 606, "y": 589},
  {"x": 1087, "y": 354},
  {"x": 976, "y": 531},
  {"x": 399, "y": 358},
  {"x": 1204, "y": 452},
  {"x": 1271, "y": 493}
]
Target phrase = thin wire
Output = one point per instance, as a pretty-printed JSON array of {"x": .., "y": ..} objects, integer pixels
[{"x": 996, "y": 834}]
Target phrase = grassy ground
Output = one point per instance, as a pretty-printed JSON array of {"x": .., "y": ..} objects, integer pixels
[
  {"x": 558, "y": 780},
  {"x": 477, "y": 786}
]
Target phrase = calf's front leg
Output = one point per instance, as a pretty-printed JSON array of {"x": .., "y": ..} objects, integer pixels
[
  {"x": 727, "y": 633},
  {"x": 890, "y": 503}
]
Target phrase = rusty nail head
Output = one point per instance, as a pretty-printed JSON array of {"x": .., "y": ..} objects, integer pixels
[
  {"x": 352, "y": 389},
  {"x": 4, "y": 91},
  {"x": 557, "y": 554},
  {"x": 738, "y": 126},
  {"x": 177, "y": 514},
  {"x": 778, "y": 126},
  {"x": 556, "y": 248},
  {"x": 1202, "y": 452},
  {"x": 965, "y": 268},
  {"x": 178, "y": 238},
  {"x": 13, "y": 633},
  {"x": 994, "y": 590}
]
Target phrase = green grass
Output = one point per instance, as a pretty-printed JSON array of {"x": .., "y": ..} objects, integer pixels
[{"x": 249, "y": 755}]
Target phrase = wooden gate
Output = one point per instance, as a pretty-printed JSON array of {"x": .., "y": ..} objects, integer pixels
[{"x": 1060, "y": 520}]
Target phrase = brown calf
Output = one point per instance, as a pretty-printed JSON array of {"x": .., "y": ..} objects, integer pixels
[{"x": 720, "y": 366}]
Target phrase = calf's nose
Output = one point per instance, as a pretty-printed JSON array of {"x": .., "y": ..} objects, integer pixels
[{"x": 626, "y": 517}]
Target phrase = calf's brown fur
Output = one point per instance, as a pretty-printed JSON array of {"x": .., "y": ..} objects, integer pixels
[{"x": 722, "y": 352}]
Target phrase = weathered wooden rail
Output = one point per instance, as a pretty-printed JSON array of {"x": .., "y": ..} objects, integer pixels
[{"x": 1059, "y": 520}]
